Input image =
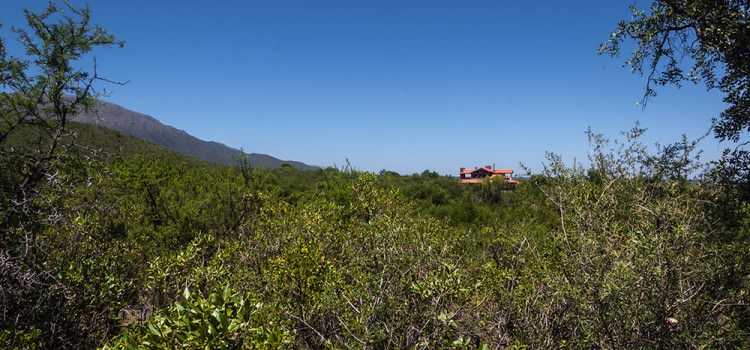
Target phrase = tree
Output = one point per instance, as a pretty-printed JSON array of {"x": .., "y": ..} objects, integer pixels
[
  {"x": 40, "y": 94},
  {"x": 693, "y": 40}
]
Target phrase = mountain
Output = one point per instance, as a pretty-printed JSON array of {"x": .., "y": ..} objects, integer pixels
[{"x": 145, "y": 127}]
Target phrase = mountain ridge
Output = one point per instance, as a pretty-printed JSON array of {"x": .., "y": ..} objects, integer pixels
[{"x": 145, "y": 127}]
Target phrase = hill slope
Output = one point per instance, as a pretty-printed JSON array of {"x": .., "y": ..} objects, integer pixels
[{"x": 145, "y": 127}]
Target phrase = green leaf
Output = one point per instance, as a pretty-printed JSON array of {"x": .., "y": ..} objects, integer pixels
[
  {"x": 155, "y": 331},
  {"x": 219, "y": 316}
]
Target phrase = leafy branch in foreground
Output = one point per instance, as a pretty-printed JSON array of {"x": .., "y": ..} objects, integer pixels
[
  {"x": 711, "y": 35},
  {"x": 680, "y": 41}
]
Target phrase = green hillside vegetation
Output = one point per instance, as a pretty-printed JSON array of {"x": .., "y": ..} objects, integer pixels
[
  {"x": 109, "y": 242},
  {"x": 87, "y": 138}
]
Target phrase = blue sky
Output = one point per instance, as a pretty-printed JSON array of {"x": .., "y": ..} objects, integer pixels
[{"x": 398, "y": 85}]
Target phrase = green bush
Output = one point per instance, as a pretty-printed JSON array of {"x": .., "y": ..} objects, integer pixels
[{"x": 220, "y": 320}]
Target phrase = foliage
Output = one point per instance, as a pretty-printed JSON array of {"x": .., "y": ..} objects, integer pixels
[
  {"x": 605, "y": 256},
  {"x": 149, "y": 249},
  {"x": 711, "y": 35},
  {"x": 705, "y": 40},
  {"x": 38, "y": 95},
  {"x": 220, "y": 320},
  {"x": 43, "y": 92},
  {"x": 641, "y": 267}
]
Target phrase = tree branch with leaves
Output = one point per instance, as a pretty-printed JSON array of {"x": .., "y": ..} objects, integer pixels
[
  {"x": 42, "y": 91},
  {"x": 694, "y": 41}
]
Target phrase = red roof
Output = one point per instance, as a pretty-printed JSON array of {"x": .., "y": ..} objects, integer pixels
[
  {"x": 479, "y": 174},
  {"x": 487, "y": 168}
]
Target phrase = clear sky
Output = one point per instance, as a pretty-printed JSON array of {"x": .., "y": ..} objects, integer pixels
[{"x": 398, "y": 85}]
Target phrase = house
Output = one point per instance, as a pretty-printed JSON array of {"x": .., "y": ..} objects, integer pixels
[{"x": 468, "y": 176}]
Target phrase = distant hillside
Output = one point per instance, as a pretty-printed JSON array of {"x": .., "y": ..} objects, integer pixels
[
  {"x": 112, "y": 142},
  {"x": 145, "y": 127}
]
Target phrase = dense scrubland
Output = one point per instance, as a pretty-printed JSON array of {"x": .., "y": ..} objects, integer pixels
[
  {"x": 106, "y": 241},
  {"x": 140, "y": 247}
]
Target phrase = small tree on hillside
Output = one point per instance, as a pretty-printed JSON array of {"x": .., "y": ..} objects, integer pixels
[{"x": 38, "y": 95}]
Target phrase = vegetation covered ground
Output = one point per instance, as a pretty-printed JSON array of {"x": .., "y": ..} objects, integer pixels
[
  {"x": 109, "y": 242},
  {"x": 147, "y": 248}
]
